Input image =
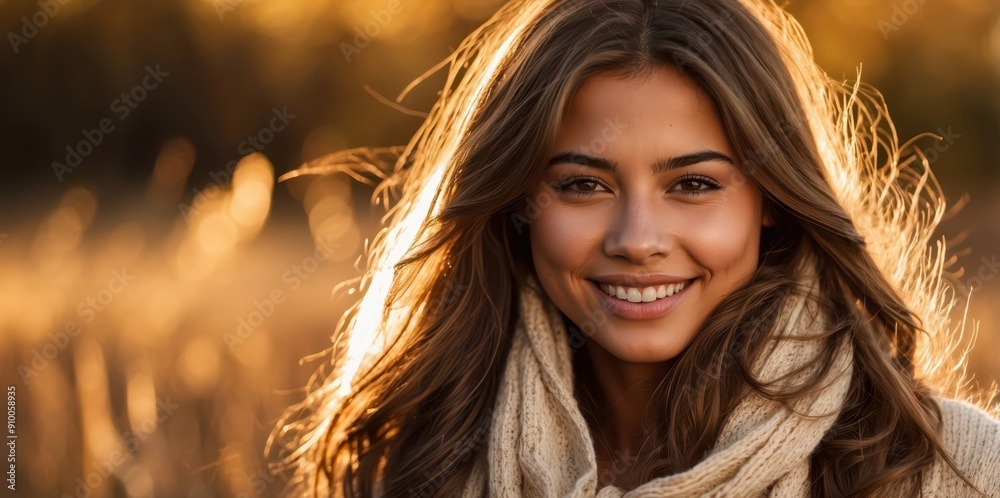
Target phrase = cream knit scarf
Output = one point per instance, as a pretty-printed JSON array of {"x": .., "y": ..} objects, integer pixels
[{"x": 540, "y": 445}]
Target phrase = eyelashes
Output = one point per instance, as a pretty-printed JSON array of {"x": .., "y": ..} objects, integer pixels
[
  {"x": 703, "y": 185},
  {"x": 565, "y": 187},
  {"x": 708, "y": 184}
]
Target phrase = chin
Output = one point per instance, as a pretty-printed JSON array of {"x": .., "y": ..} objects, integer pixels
[{"x": 642, "y": 351}]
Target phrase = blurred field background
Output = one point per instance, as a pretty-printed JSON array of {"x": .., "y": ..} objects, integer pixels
[{"x": 156, "y": 298}]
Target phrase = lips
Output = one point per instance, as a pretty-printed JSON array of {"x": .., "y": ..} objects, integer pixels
[
  {"x": 644, "y": 294},
  {"x": 642, "y": 310}
]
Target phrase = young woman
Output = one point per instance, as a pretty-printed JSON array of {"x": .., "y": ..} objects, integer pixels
[{"x": 647, "y": 247}]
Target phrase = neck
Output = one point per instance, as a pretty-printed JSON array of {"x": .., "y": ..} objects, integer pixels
[{"x": 622, "y": 392}]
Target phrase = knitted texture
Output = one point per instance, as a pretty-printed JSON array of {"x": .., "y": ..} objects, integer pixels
[{"x": 540, "y": 445}]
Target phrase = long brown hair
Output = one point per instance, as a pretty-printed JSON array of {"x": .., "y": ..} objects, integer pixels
[{"x": 417, "y": 360}]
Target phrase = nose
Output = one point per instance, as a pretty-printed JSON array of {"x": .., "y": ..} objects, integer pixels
[{"x": 640, "y": 233}]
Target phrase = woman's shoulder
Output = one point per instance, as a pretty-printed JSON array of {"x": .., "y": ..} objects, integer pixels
[{"x": 971, "y": 435}]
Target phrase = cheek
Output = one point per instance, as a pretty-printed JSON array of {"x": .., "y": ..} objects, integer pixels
[
  {"x": 564, "y": 239},
  {"x": 726, "y": 241}
]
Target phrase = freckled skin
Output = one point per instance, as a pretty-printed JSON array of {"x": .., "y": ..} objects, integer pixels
[{"x": 637, "y": 222}]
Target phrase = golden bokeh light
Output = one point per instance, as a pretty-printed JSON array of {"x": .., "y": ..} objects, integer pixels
[{"x": 161, "y": 310}]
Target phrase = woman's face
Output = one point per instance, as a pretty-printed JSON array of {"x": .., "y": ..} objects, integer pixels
[{"x": 642, "y": 194}]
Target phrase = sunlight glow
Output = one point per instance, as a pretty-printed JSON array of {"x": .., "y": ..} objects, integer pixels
[{"x": 368, "y": 337}]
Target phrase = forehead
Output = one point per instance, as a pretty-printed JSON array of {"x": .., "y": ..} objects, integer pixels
[
  {"x": 665, "y": 82},
  {"x": 649, "y": 104}
]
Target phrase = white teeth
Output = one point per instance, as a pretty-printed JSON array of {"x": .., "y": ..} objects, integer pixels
[
  {"x": 644, "y": 294},
  {"x": 649, "y": 294},
  {"x": 634, "y": 295}
]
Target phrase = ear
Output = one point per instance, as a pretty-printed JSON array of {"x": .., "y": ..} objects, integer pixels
[{"x": 765, "y": 219}]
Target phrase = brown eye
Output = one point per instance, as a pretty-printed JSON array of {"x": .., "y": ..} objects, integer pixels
[
  {"x": 580, "y": 186},
  {"x": 692, "y": 185},
  {"x": 695, "y": 185}
]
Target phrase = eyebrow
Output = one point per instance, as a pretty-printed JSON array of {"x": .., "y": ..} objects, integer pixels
[{"x": 658, "y": 166}]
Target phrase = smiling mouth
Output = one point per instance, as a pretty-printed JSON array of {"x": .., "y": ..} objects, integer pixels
[{"x": 647, "y": 294}]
